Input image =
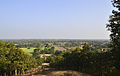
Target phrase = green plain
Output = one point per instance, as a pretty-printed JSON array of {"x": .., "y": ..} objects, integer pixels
[{"x": 29, "y": 51}]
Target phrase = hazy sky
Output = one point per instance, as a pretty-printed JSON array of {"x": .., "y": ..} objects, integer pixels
[{"x": 58, "y": 19}]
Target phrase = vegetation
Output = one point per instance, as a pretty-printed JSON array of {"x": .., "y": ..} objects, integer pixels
[
  {"x": 114, "y": 28},
  {"x": 13, "y": 60},
  {"x": 94, "y": 57},
  {"x": 59, "y": 45},
  {"x": 28, "y": 50},
  {"x": 84, "y": 60},
  {"x": 65, "y": 55}
]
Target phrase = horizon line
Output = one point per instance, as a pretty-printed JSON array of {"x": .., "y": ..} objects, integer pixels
[{"x": 52, "y": 39}]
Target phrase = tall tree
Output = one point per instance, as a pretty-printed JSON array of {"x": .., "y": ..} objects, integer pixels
[{"x": 114, "y": 28}]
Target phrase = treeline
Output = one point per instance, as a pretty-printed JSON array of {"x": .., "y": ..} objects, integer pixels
[
  {"x": 13, "y": 60},
  {"x": 60, "y": 43},
  {"x": 86, "y": 61}
]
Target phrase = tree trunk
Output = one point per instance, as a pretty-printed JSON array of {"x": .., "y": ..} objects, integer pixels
[
  {"x": 15, "y": 72},
  {"x": 0, "y": 74},
  {"x": 23, "y": 72},
  {"x": 10, "y": 73},
  {"x": 5, "y": 74}
]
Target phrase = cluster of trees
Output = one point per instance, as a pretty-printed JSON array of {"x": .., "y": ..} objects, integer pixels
[
  {"x": 39, "y": 60},
  {"x": 48, "y": 50},
  {"x": 97, "y": 44},
  {"x": 114, "y": 28},
  {"x": 13, "y": 60},
  {"x": 84, "y": 60}
]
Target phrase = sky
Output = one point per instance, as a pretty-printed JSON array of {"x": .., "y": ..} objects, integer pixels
[{"x": 54, "y": 19}]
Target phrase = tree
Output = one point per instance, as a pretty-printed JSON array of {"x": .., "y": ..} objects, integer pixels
[
  {"x": 114, "y": 28},
  {"x": 52, "y": 50},
  {"x": 57, "y": 52},
  {"x": 86, "y": 47},
  {"x": 14, "y": 59},
  {"x": 36, "y": 55}
]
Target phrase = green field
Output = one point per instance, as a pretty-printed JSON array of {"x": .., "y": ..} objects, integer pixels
[{"x": 29, "y": 51}]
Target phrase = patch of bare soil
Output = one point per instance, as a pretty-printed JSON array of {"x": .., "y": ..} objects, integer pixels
[
  {"x": 66, "y": 73},
  {"x": 63, "y": 73}
]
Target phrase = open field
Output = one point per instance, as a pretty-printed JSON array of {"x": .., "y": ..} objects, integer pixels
[{"x": 29, "y": 51}]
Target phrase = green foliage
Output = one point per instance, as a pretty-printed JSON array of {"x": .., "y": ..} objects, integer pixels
[
  {"x": 45, "y": 51},
  {"x": 86, "y": 47},
  {"x": 57, "y": 62},
  {"x": 12, "y": 59},
  {"x": 114, "y": 28},
  {"x": 52, "y": 50},
  {"x": 39, "y": 60},
  {"x": 57, "y": 52},
  {"x": 83, "y": 60}
]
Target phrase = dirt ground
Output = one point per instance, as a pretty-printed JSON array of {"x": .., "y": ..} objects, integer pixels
[{"x": 62, "y": 73}]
